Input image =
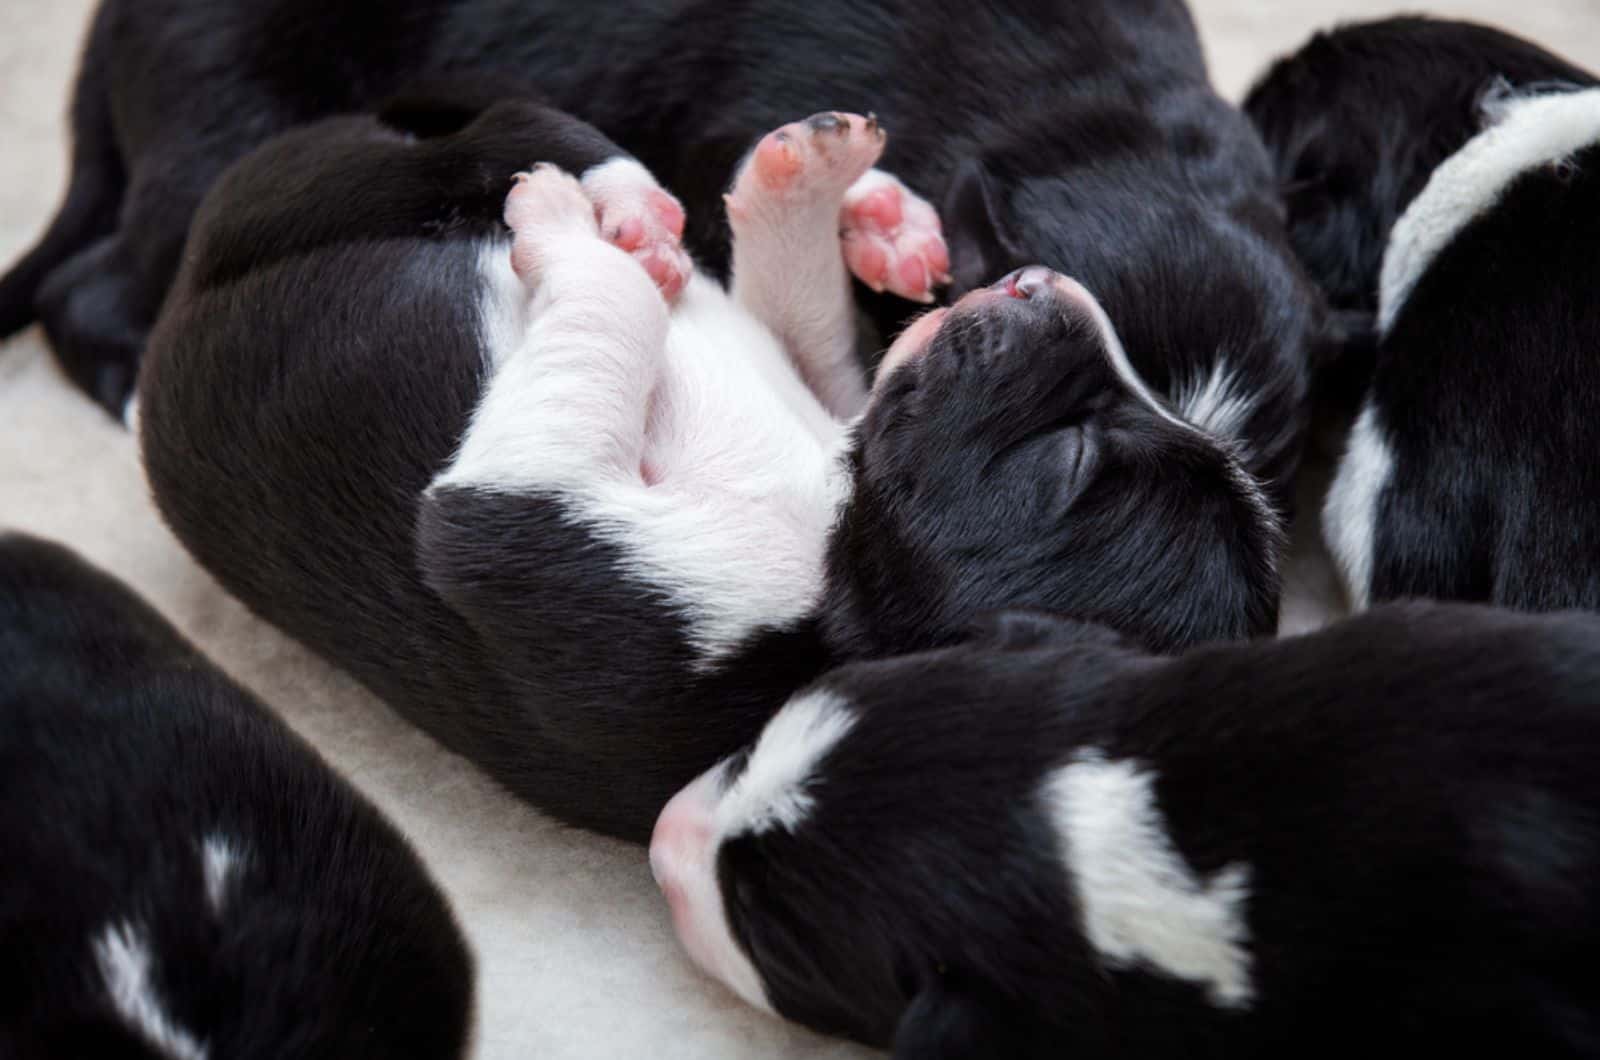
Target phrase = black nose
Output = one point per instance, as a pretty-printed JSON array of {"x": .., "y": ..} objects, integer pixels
[{"x": 1026, "y": 282}]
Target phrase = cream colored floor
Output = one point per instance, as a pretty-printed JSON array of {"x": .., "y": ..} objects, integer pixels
[{"x": 575, "y": 955}]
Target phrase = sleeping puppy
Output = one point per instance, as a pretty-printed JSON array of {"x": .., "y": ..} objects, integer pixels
[
  {"x": 1048, "y": 843},
  {"x": 1356, "y": 121},
  {"x": 1083, "y": 137},
  {"x": 1465, "y": 476},
  {"x": 458, "y": 442},
  {"x": 183, "y": 877}
]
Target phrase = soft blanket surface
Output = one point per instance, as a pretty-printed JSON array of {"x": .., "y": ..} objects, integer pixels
[{"x": 574, "y": 948}]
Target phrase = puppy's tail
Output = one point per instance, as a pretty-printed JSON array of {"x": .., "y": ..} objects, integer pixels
[{"x": 94, "y": 195}]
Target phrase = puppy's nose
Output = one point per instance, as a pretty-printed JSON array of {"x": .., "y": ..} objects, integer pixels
[
  {"x": 682, "y": 833},
  {"x": 1027, "y": 282}
]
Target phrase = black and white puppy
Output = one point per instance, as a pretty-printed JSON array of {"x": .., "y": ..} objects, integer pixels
[
  {"x": 183, "y": 878},
  {"x": 1465, "y": 475},
  {"x": 1046, "y": 842},
  {"x": 459, "y": 443},
  {"x": 1355, "y": 123},
  {"x": 1086, "y": 138}
]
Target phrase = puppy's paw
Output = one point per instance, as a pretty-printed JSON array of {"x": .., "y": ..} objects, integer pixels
[
  {"x": 638, "y": 215},
  {"x": 892, "y": 238},
  {"x": 545, "y": 206},
  {"x": 804, "y": 163}
]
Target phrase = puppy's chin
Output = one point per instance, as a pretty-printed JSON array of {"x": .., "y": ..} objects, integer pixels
[{"x": 911, "y": 343}]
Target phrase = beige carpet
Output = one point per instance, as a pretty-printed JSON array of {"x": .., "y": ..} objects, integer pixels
[{"x": 575, "y": 954}]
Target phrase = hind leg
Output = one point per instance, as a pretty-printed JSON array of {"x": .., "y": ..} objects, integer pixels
[{"x": 96, "y": 318}]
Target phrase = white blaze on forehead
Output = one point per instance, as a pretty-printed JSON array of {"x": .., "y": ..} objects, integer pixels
[
  {"x": 1141, "y": 903},
  {"x": 1117, "y": 355},
  {"x": 1531, "y": 131},
  {"x": 219, "y": 860},
  {"x": 683, "y": 858},
  {"x": 122, "y": 953},
  {"x": 772, "y": 790},
  {"x": 1350, "y": 514}
]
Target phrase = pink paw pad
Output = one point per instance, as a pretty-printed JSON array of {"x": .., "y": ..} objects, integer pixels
[
  {"x": 542, "y": 202},
  {"x": 809, "y": 161},
  {"x": 892, "y": 238},
  {"x": 638, "y": 216}
]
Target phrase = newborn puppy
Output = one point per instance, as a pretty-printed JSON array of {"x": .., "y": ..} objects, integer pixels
[
  {"x": 1465, "y": 476},
  {"x": 183, "y": 877},
  {"x": 1356, "y": 121},
  {"x": 459, "y": 443},
  {"x": 1048, "y": 843},
  {"x": 1084, "y": 137}
]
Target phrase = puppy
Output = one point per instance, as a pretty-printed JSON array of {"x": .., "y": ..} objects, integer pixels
[
  {"x": 592, "y": 542},
  {"x": 183, "y": 877},
  {"x": 1086, "y": 139},
  {"x": 1461, "y": 478},
  {"x": 1048, "y": 843},
  {"x": 1356, "y": 121}
]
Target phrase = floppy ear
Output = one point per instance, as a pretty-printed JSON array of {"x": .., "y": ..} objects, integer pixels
[
  {"x": 947, "y": 1022},
  {"x": 981, "y": 248}
]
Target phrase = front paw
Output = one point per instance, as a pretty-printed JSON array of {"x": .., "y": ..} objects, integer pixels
[
  {"x": 639, "y": 216},
  {"x": 892, "y": 238},
  {"x": 804, "y": 163},
  {"x": 545, "y": 205}
]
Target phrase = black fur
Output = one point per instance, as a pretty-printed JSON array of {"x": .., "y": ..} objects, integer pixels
[
  {"x": 121, "y": 751},
  {"x": 1086, "y": 139},
  {"x": 1412, "y": 793},
  {"x": 1488, "y": 413},
  {"x": 315, "y": 369},
  {"x": 1357, "y": 120}
]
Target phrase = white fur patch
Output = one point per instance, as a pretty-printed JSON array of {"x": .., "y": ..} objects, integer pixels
[
  {"x": 123, "y": 955},
  {"x": 1530, "y": 131},
  {"x": 1350, "y": 514},
  {"x": 744, "y": 464},
  {"x": 1215, "y": 404},
  {"x": 219, "y": 861},
  {"x": 772, "y": 790},
  {"x": 684, "y": 856},
  {"x": 1140, "y": 901}
]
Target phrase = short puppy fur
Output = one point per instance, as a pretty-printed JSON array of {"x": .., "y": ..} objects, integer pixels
[
  {"x": 1356, "y": 121},
  {"x": 183, "y": 877},
  {"x": 1464, "y": 476},
  {"x": 447, "y": 431},
  {"x": 1087, "y": 139},
  {"x": 1046, "y": 842}
]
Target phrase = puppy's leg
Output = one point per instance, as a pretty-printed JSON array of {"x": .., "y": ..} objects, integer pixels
[
  {"x": 566, "y": 407},
  {"x": 788, "y": 269},
  {"x": 892, "y": 238},
  {"x": 641, "y": 217}
]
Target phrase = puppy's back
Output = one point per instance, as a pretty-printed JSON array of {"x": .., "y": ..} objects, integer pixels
[{"x": 183, "y": 877}]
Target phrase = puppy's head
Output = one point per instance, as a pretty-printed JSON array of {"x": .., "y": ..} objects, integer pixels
[
  {"x": 1011, "y": 457},
  {"x": 886, "y": 863}
]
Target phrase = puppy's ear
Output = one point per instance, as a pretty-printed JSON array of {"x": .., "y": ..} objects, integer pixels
[
  {"x": 1024, "y": 630},
  {"x": 974, "y": 215},
  {"x": 951, "y": 1021}
]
